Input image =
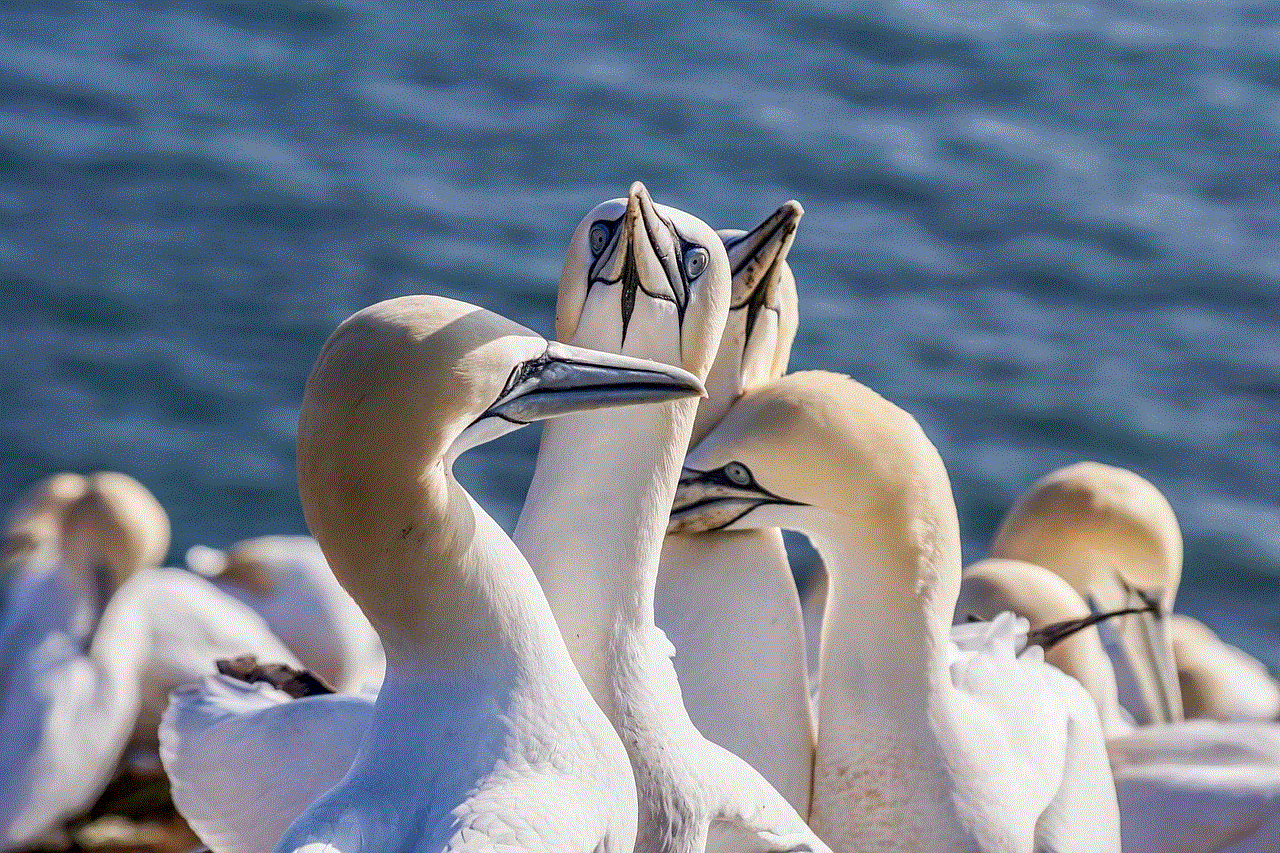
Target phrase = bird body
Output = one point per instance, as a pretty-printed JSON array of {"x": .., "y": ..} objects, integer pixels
[
  {"x": 647, "y": 280},
  {"x": 65, "y": 733},
  {"x": 921, "y": 745}
]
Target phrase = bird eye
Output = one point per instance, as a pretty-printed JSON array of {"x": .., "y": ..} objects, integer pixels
[
  {"x": 738, "y": 474},
  {"x": 599, "y": 237},
  {"x": 695, "y": 261}
]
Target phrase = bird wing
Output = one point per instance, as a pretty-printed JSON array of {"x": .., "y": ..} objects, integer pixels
[
  {"x": 1048, "y": 770},
  {"x": 244, "y": 760}
]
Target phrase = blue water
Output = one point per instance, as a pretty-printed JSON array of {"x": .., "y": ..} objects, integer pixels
[{"x": 1047, "y": 229}]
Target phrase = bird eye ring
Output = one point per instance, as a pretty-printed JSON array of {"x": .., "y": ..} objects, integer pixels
[
  {"x": 738, "y": 474},
  {"x": 695, "y": 261},
  {"x": 599, "y": 237}
]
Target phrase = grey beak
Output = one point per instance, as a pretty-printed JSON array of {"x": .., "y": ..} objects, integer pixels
[
  {"x": 641, "y": 255},
  {"x": 756, "y": 257},
  {"x": 567, "y": 379},
  {"x": 649, "y": 231},
  {"x": 1139, "y": 647},
  {"x": 709, "y": 500}
]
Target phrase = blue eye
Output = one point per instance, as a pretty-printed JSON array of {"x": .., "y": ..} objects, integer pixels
[
  {"x": 599, "y": 237},
  {"x": 738, "y": 474},
  {"x": 695, "y": 261}
]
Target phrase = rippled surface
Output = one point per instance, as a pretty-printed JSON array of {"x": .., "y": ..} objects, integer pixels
[{"x": 1047, "y": 229}]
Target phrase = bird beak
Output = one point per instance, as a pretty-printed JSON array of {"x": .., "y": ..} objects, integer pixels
[
  {"x": 654, "y": 250},
  {"x": 567, "y": 379},
  {"x": 756, "y": 258},
  {"x": 643, "y": 249},
  {"x": 1048, "y": 636},
  {"x": 709, "y": 500},
  {"x": 1139, "y": 646}
]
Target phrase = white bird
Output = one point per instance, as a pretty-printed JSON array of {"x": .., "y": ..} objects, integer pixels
[
  {"x": 1195, "y": 786},
  {"x": 75, "y": 699},
  {"x": 39, "y": 596},
  {"x": 921, "y": 745},
  {"x": 648, "y": 280},
  {"x": 287, "y": 582},
  {"x": 1217, "y": 680},
  {"x": 483, "y": 735},
  {"x": 727, "y": 601},
  {"x": 33, "y": 529},
  {"x": 993, "y": 586},
  {"x": 47, "y": 592},
  {"x": 75, "y": 541},
  {"x": 1112, "y": 536}
]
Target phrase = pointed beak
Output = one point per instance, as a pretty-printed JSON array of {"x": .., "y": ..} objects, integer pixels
[
  {"x": 654, "y": 248},
  {"x": 1048, "y": 636},
  {"x": 1139, "y": 647},
  {"x": 756, "y": 257},
  {"x": 567, "y": 379},
  {"x": 709, "y": 500}
]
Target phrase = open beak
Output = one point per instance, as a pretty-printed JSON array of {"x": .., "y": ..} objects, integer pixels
[
  {"x": 756, "y": 259},
  {"x": 1139, "y": 647},
  {"x": 567, "y": 379},
  {"x": 709, "y": 500}
]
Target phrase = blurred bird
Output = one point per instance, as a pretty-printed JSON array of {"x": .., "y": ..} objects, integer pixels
[
  {"x": 33, "y": 528},
  {"x": 78, "y": 691},
  {"x": 1219, "y": 681},
  {"x": 287, "y": 582}
]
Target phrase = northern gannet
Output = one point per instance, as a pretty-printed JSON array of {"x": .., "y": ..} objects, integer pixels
[
  {"x": 74, "y": 699},
  {"x": 921, "y": 745},
  {"x": 482, "y": 735},
  {"x": 993, "y": 586},
  {"x": 653, "y": 281},
  {"x": 727, "y": 601},
  {"x": 66, "y": 568},
  {"x": 1112, "y": 536},
  {"x": 1217, "y": 680},
  {"x": 1195, "y": 786},
  {"x": 38, "y": 595},
  {"x": 287, "y": 582},
  {"x": 50, "y": 591},
  {"x": 33, "y": 529}
]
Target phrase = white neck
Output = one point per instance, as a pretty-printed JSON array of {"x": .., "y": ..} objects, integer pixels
[
  {"x": 593, "y": 524},
  {"x": 886, "y": 690},
  {"x": 728, "y": 603},
  {"x": 452, "y": 599}
]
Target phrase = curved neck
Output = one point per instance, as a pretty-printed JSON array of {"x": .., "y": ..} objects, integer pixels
[
  {"x": 885, "y": 702},
  {"x": 593, "y": 523},
  {"x": 445, "y": 588},
  {"x": 885, "y": 630}
]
